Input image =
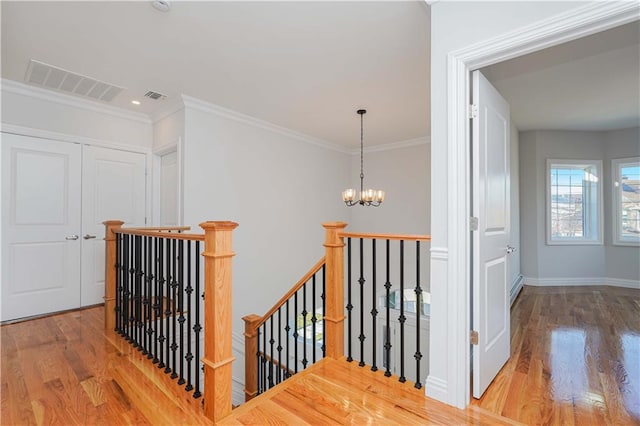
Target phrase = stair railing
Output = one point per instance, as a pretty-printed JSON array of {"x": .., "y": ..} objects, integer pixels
[
  {"x": 387, "y": 305},
  {"x": 164, "y": 297}
]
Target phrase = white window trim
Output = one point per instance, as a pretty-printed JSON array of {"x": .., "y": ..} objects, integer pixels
[
  {"x": 599, "y": 227},
  {"x": 617, "y": 226}
]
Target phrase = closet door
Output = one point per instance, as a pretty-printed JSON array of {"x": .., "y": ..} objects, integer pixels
[
  {"x": 113, "y": 188},
  {"x": 41, "y": 181}
]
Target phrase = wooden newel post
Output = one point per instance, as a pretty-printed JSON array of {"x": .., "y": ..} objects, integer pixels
[
  {"x": 110, "y": 274},
  {"x": 250, "y": 358},
  {"x": 334, "y": 302},
  {"x": 218, "y": 356}
]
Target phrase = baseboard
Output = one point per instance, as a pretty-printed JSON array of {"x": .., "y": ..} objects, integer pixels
[
  {"x": 516, "y": 287},
  {"x": 437, "y": 389},
  {"x": 237, "y": 391},
  {"x": 577, "y": 281}
]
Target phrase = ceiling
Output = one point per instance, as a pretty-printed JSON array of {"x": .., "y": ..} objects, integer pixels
[
  {"x": 308, "y": 66},
  {"x": 592, "y": 83}
]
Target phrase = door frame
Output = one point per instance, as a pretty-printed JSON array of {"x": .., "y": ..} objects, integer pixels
[
  {"x": 177, "y": 147},
  {"x": 577, "y": 23}
]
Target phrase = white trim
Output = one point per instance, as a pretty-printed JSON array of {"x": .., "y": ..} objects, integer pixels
[
  {"x": 516, "y": 288},
  {"x": 18, "y": 88},
  {"x": 439, "y": 253},
  {"x": 65, "y": 137},
  {"x": 424, "y": 140},
  {"x": 437, "y": 388},
  {"x": 581, "y": 281},
  {"x": 587, "y": 239},
  {"x": 210, "y": 108},
  {"x": 615, "y": 211},
  {"x": 576, "y": 23}
]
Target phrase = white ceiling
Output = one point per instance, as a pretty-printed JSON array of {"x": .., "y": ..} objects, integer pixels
[
  {"x": 309, "y": 66},
  {"x": 592, "y": 83}
]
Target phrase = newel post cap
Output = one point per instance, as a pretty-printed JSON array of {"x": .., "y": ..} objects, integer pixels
[{"x": 222, "y": 225}]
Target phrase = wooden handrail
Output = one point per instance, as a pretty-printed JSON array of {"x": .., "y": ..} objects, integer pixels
[
  {"x": 306, "y": 277},
  {"x": 163, "y": 228},
  {"x": 406, "y": 237},
  {"x": 160, "y": 234}
]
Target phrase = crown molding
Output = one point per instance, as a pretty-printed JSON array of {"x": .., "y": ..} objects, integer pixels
[
  {"x": 210, "y": 108},
  {"x": 394, "y": 145},
  {"x": 15, "y": 87},
  {"x": 173, "y": 106}
]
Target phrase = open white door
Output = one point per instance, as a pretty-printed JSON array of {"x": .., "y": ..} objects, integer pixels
[
  {"x": 40, "y": 226},
  {"x": 113, "y": 188},
  {"x": 491, "y": 206}
]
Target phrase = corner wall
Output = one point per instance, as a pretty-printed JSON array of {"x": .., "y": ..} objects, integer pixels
[{"x": 544, "y": 264}]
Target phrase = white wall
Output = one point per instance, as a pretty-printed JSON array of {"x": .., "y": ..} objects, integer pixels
[
  {"x": 278, "y": 188},
  {"x": 623, "y": 262},
  {"x": 456, "y": 25},
  {"x": 514, "y": 258},
  {"x": 543, "y": 264},
  {"x": 555, "y": 261},
  {"x": 403, "y": 173},
  {"x": 41, "y": 109}
]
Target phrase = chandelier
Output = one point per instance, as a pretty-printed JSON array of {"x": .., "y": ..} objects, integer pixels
[{"x": 369, "y": 197}]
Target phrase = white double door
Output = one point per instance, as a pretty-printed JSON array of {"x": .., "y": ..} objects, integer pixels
[{"x": 55, "y": 196}]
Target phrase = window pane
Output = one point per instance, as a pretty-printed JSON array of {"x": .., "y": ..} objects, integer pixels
[
  {"x": 573, "y": 201},
  {"x": 629, "y": 204}
]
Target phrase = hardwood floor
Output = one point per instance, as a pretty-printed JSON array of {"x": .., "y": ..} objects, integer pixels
[
  {"x": 337, "y": 392},
  {"x": 575, "y": 358},
  {"x": 61, "y": 370}
]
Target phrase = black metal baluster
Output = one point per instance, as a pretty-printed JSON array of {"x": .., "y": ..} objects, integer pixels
[
  {"x": 402, "y": 318},
  {"x": 304, "y": 326},
  {"x": 271, "y": 360},
  {"x": 374, "y": 310},
  {"x": 349, "y": 304},
  {"x": 146, "y": 259},
  {"x": 295, "y": 332},
  {"x": 130, "y": 286},
  {"x": 197, "y": 327},
  {"x": 387, "y": 286},
  {"x": 167, "y": 302},
  {"x": 287, "y": 328},
  {"x": 313, "y": 318},
  {"x": 361, "y": 281},
  {"x": 260, "y": 374},
  {"x": 160, "y": 303},
  {"x": 174, "y": 313},
  {"x": 181, "y": 319},
  {"x": 279, "y": 348},
  {"x": 157, "y": 316},
  {"x": 324, "y": 310},
  {"x": 139, "y": 281},
  {"x": 418, "y": 354},
  {"x": 264, "y": 356},
  {"x": 189, "y": 291}
]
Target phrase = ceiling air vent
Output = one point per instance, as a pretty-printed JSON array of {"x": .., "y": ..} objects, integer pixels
[
  {"x": 51, "y": 77},
  {"x": 155, "y": 95}
]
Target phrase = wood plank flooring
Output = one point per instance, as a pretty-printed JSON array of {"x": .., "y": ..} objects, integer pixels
[
  {"x": 61, "y": 370},
  {"x": 335, "y": 392},
  {"x": 575, "y": 358}
]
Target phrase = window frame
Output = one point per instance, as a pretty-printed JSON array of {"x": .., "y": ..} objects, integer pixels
[
  {"x": 589, "y": 238},
  {"x": 616, "y": 219}
]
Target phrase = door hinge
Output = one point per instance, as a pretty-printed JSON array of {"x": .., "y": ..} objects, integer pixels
[
  {"x": 473, "y": 337},
  {"x": 473, "y": 111},
  {"x": 473, "y": 223}
]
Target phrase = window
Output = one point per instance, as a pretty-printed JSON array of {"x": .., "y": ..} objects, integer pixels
[
  {"x": 574, "y": 210},
  {"x": 626, "y": 201}
]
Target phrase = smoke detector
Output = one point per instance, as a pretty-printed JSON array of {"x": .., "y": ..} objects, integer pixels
[{"x": 161, "y": 5}]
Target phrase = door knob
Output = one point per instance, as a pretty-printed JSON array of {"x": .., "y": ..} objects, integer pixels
[
  {"x": 510, "y": 249},
  {"x": 71, "y": 237},
  {"x": 88, "y": 237}
]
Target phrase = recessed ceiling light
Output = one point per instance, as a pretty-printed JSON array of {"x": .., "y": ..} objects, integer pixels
[
  {"x": 135, "y": 102},
  {"x": 161, "y": 5}
]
